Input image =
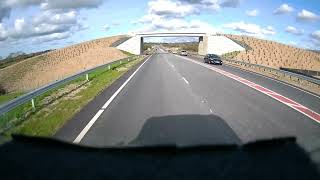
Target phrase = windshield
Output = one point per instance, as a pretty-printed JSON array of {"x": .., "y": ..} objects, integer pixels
[
  {"x": 107, "y": 73},
  {"x": 213, "y": 56}
]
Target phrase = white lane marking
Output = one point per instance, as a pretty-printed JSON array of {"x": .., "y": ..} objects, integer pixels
[
  {"x": 98, "y": 114},
  {"x": 298, "y": 107},
  {"x": 276, "y": 81},
  {"x": 185, "y": 80},
  {"x": 88, "y": 126},
  {"x": 261, "y": 75}
]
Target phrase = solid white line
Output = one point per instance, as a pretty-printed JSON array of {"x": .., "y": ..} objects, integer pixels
[
  {"x": 275, "y": 80},
  {"x": 185, "y": 80},
  {"x": 270, "y": 95},
  {"x": 88, "y": 126},
  {"x": 98, "y": 114},
  {"x": 261, "y": 75}
]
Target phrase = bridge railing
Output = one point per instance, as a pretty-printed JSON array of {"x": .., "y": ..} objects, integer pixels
[{"x": 35, "y": 93}]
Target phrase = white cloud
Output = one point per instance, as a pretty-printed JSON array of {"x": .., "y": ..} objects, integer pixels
[
  {"x": 252, "y": 13},
  {"x": 3, "y": 33},
  {"x": 283, "y": 9},
  {"x": 293, "y": 43},
  {"x": 315, "y": 38},
  {"x": 178, "y": 25},
  {"x": 106, "y": 27},
  {"x": 213, "y": 4},
  {"x": 45, "y": 24},
  {"x": 70, "y": 4},
  {"x": 51, "y": 37},
  {"x": 268, "y": 31},
  {"x": 293, "y": 30},
  {"x": 51, "y": 17},
  {"x": 115, "y": 24},
  {"x": 168, "y": 8},
  {"x": 306, "y": 15},
  {"x": 7, "y": 5},
  {"x": 230, "y": 3},
  {"x": 250, "y": 29},
  {"x": 170, "y": 14},
  {"x": 19, "y": 3},
  {"x": 23, "y": 29}
]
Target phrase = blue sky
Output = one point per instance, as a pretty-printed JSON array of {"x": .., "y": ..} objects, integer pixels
[{"x": 35, "y": 25}]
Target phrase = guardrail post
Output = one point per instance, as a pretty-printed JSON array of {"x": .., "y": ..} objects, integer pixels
[
  {"x": 33, "y": 105},
  {"x": 87, "y": 77}
]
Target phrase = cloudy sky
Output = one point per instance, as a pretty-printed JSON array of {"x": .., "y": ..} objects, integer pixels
[{"x": 34, "y": 25}]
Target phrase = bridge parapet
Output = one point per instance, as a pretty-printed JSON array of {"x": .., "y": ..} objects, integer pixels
[{"x": 208, "y": 43}]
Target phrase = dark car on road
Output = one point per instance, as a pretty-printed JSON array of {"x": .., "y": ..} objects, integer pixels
[{"x": 212, "y": 59}]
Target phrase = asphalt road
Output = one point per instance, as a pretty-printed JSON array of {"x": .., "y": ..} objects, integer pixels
[{"x": 171, "y": 100}]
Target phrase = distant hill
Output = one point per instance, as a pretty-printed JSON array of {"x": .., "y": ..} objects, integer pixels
[
  {"x": 13, "y": 58},
  {"x": 276, "y": 55},
  {"x": 316, "y": 51},
  {"x": 188, "y": 46},
  {"x": 15, "y": 54},
  {"x": 50, "y": 66}
]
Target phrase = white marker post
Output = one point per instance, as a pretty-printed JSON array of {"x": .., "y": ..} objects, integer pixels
[
  {"x": 87, "y": 77},
  {"x": 33, "y": 105}
]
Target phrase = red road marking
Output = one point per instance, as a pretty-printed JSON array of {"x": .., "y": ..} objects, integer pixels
[
  {"x": 309, "y": 113},
  {"x": 298, "y": 107},
  {"x": 245, "y": 81},
  {"x": 284, "y": 99},
  {"x": 260, "y": 88}
]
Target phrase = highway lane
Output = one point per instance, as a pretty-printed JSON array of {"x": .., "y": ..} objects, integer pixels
[
  {"x": 251, "y": 114},
  {"x": 156, "y": 91},
  {"x": 171, "y": 100},
  {"x": 308, "y": 99}
]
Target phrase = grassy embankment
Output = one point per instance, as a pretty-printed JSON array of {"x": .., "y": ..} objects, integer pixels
[{"x": 56, "y": 107}]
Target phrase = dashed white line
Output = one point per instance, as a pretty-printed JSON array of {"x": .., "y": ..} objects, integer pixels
[
  {"x": 185, "y": 80},
  {"x": 298, "y": 107},
  {"x": 98, "y": 114}
]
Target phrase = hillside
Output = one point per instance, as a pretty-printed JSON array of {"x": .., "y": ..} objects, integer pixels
[
  {"x": 276, "y": 55},
  {"x": 54, "y": 65},
  {"x": 17, "y": 57}
]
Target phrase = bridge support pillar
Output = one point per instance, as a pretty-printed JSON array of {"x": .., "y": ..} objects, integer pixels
[
  {"x": 133, "y": 45},
  {"x": 203, "y": 45}
]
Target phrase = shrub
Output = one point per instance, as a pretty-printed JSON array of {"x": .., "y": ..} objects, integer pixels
[{"x": 2, "y": 90}]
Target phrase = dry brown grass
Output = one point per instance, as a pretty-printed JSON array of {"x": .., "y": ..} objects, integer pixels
[
  {"x": 276, "y": 55},
  {"x": 49, "y": 67}
]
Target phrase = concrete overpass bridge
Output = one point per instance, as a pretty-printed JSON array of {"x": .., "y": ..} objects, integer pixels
[{"x": 208, "y": 43}]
